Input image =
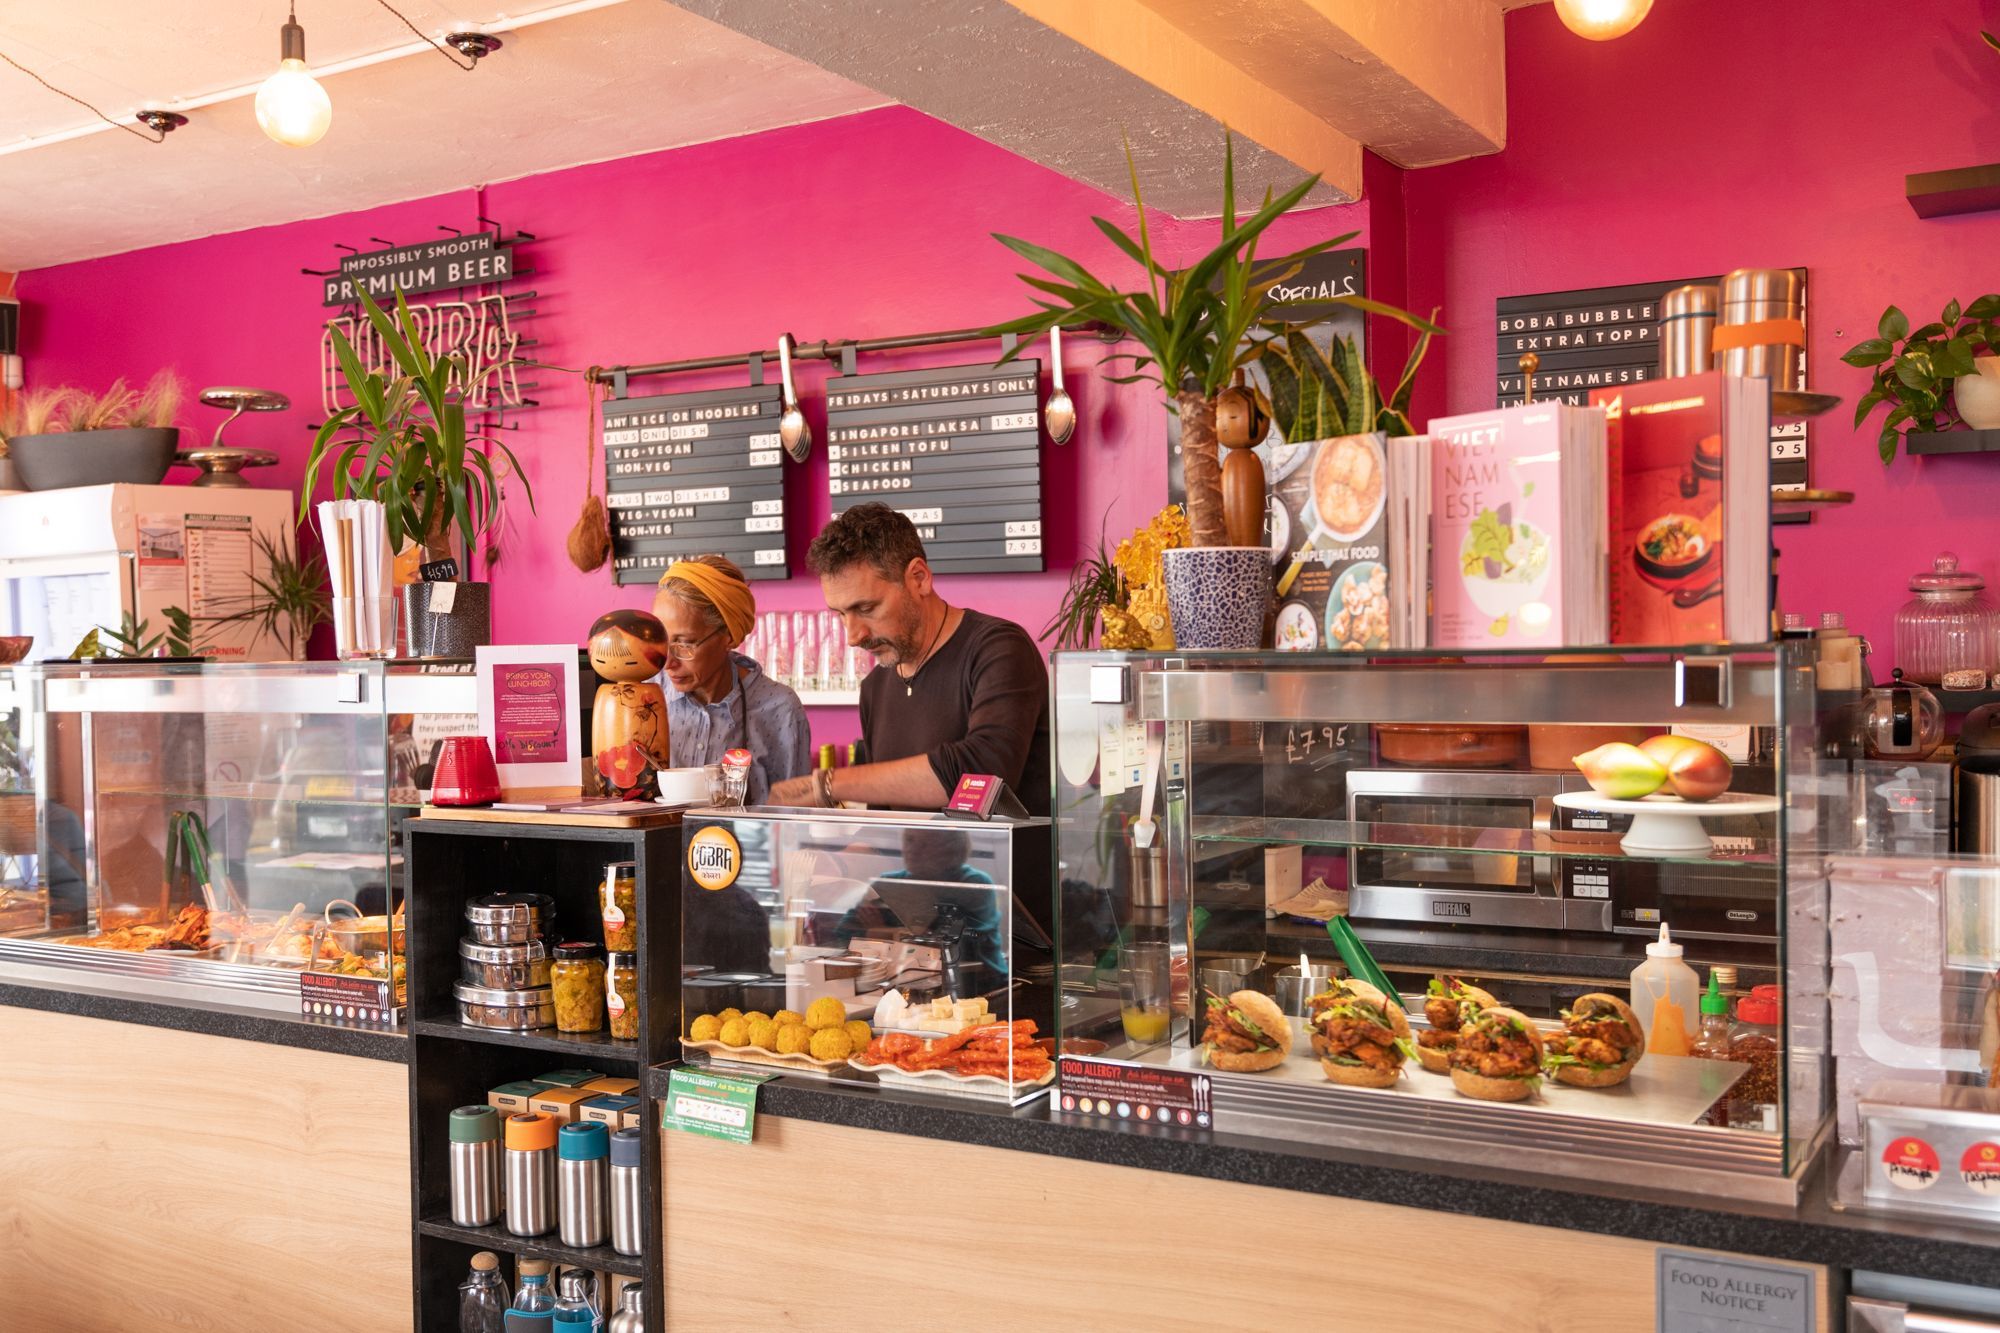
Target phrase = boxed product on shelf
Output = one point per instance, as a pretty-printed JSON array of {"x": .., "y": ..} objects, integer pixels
[
  {"x": 513, "y": 1098},
  {"x": 565, "y": 1105},
  {"x": 607, "y": 1109}
]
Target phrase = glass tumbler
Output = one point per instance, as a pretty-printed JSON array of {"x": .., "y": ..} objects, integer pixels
[{"x": 1145, "y": 992}]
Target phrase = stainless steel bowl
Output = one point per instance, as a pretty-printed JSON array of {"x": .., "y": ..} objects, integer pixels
[
  {"x": 503, "y": 966},
  {"x": 508, "y": 1010}
]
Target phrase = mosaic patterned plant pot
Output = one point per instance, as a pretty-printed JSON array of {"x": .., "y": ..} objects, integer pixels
[{"x": 1217, "y": 595}]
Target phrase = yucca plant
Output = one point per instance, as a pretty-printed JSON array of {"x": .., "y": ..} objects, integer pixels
[
  {"x": 404, "y": 441},
  {"x": 1194, "y": 326}
]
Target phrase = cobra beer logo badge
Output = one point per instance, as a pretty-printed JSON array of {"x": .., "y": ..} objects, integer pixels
[{"x": 714, "y": 859}]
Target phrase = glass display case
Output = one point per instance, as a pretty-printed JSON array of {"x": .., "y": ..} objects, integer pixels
[
  {"x": 229, "y": 832},
  {"x": 1232, "y": 823},
  {"x": 876, "y": 948}
]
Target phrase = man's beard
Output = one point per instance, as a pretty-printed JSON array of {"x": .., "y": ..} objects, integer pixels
[{"x": 901, "y": 647}]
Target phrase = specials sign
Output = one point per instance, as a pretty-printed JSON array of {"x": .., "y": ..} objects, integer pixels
[
  {"x": 430, "y": 266},
  {"x": 957, "y": 448},
  {"x": 1605, "y": 337}
]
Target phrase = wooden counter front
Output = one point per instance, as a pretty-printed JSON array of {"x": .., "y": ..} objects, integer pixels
[
  {"x": 160, "y": 1179},
  {"x": 818, "y": 1226}
]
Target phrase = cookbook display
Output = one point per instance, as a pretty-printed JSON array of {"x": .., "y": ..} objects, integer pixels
[
  {"x": 227, "y": 832},
  {"x": 1187, "y": 942},
  {"x": 875, "y": 948}
]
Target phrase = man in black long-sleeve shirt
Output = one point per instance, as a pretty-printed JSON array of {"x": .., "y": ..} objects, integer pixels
[{"x": 960, "y": 692}]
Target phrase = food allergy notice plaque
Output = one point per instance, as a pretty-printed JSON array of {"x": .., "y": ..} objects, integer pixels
[
  {"x": 957, "y": 448},
  {"x": 1712, "y": 1293},
  {"x": 695, "y": 474}
]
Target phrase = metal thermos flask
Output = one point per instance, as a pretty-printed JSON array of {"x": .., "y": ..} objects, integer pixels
[
  {"x": 1687, "y": 329},
  {"x": 1761, "y": 331},
  {"x": 1975, "y": 783},
  {"x": 475, "y": 1166},
  {"x": 531, "y": 1174},
  {"x": 631, "y": 1316},
  {"x": 583, "y": 1186},
  {"x": 626, "y": 1211}
]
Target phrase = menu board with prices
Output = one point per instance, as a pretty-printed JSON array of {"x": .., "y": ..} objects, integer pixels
[
  {"x": 1602, "y": 337},
  {"x": 689, "y": 474},
  {"x": 957, "y": 448}
]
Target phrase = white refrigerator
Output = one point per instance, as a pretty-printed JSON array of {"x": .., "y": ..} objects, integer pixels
[{"x": 72, "y": 560}]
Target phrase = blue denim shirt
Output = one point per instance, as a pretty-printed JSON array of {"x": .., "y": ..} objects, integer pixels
[{"x": 759, "y": 714}]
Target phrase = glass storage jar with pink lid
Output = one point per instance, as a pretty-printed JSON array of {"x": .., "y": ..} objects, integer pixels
[{"x": 1949, "y": 633}]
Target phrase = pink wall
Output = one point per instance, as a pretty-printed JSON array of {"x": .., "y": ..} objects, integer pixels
[
  {"x": 869, "y": 225},
  {"x": 1719, "y": 135}
]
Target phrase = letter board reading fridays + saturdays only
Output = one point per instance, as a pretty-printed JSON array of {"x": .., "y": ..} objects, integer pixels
[
  {"x": 1602, "y": 337},
  {"x": 957, "y": 448},
  {"x": 695, "y": 474}
]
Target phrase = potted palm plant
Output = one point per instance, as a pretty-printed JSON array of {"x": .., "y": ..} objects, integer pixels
[
  {"x": 60, "y": 437},
  {"x": 1196, "y": 328},
  {"x": 404, "y": 442}
]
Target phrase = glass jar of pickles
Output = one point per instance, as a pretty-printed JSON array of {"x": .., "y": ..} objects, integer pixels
[
  {"x": 577, "y": 979},
  {"x": 621, "y": 994},
  {"x": 618, "y": 896}
]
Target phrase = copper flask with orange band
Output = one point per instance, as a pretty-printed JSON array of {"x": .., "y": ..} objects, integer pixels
[{"x": 1762, "y": 330}]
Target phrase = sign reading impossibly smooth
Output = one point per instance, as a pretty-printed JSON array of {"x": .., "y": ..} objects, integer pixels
[
  {"x": 431, "y": 266},
  {"x": 1712, "y": 1293}
]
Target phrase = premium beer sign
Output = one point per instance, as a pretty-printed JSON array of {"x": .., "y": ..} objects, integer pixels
[
  {"x": 429, "y": 266},
  {"x": 695, "y": 473},
  {"x": 957, "y": 448}
]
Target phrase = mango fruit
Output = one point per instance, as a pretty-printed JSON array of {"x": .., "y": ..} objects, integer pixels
[
  {"x": 1622, "y": 772},
  {"x": 1696, "y": 770}
]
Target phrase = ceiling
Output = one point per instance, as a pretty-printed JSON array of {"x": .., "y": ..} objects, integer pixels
[
  {"x": 1305, "y": 84},
  {"x": 561, "y": 92}
]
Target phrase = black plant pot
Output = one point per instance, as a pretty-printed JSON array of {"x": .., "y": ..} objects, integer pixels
[
  {"x": 468, "y": 625},
  {"x": 137, "y": 455}
]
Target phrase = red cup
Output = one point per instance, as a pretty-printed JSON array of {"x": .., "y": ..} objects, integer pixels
[{"x": 465, "y": 774}]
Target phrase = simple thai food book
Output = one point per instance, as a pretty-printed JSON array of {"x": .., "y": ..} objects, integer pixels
[
  {"x": 1519, "y": 528},
  {"x": 1690, "y": 513}
]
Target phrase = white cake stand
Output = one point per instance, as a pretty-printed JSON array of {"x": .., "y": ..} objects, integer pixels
[{"x": 1668, "y": 825}]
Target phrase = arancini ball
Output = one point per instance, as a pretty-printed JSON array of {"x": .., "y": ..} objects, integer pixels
[
  {"x": 831, "y": 1044},
  {"x": 825, "y": 1012},
  {"x": 735, "y": 1033},
  {"x": 706, "y": 1028},
  {"x": 793, "y": 1039}
]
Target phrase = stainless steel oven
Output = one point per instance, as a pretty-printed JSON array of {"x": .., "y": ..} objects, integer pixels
[{"x": 1491, "y": 848}]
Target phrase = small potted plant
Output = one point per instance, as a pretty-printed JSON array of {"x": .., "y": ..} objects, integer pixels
[
  {"x": 404, "y": 442},
  {"x": 1196, "y": 328},
  {"x": 1936, "y": 377},
  {"x": 62, "y": 437}
]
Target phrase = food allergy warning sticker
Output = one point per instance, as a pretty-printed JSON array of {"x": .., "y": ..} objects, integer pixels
[{"x": 1708, "y": 1293}]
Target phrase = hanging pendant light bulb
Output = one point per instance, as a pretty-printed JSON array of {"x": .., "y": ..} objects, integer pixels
[
  {"x": 1602, "y": 20},
  {"x": 291, "y": 106}
]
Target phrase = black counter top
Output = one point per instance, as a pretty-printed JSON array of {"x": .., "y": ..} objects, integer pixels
[
  {"x": 214, "y": 1020},
  {"x": 1814, "y": 1233}
]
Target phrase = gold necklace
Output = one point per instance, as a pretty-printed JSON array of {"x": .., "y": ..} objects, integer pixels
[{"x": 910, "y": 681}]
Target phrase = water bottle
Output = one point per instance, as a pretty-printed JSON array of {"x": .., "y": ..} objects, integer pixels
[
  {"x": 628, "y": 1207},
  {"x": 482, "y": 1297},
  {"x": 475, "y": 1166},
  {"x": 533, "y": 1310},
  {"x": 576, "y": 1304},
  {"x": 631, "y": 1316},
  {"x": 582, "y": 1185},
  {"x": 531, "y": 1175}
]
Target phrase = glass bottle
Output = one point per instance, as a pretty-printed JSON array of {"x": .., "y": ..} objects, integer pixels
[
  {"x": 482, "y": 1297},
  {"x": 1711, "y": 1042},
  {"x": 534, "y": 1305},
  {"x": 621, "y": 995},
  {"x": 576, "y": 1307},
  {"x": 1753, "y": 1040},
  {"x": 1949, "y": 626}
]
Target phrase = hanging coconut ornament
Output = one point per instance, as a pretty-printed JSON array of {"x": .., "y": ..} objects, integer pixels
[{"x": 590, "y": 539}]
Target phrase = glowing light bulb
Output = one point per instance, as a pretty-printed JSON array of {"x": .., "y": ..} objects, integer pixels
[
  {"x": 1602, "y": 20},
  {"x": 291, "y": 106}
]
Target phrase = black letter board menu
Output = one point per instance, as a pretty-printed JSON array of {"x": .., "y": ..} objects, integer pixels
[
  {"x": 695, "y": 474},
  {"x": 1601, "y": 337},
  {"x": 957, "y": 448}
]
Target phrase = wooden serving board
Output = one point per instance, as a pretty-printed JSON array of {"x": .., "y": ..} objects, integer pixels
[{"x": 480, "y": 815}]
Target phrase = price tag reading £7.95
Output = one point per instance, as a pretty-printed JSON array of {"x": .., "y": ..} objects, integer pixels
[{"x": 702, "y": 1103}]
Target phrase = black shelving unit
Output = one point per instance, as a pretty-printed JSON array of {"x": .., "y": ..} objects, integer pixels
[{"x": 452, "y": 1065}]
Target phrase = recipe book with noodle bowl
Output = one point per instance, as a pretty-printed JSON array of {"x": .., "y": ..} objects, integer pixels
[
  {"x": 1690, "y": 510},
  {"x": 1518, "y": 528}
]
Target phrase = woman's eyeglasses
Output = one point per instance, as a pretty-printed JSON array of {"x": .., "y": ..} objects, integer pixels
[{"x": 685, "y": 651}]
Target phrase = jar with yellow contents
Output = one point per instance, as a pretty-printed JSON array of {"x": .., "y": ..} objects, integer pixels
[
  {"x": 621, "y": 994},
  {"x": 576, "y": 977}
]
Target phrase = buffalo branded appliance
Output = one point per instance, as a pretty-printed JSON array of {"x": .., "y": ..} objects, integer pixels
[{"x": 1491, "y": 848}]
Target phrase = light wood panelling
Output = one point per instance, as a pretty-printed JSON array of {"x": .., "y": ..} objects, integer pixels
[
  {"x": 167, "y": 1180},
  {"x": 823, "y": 1227}
]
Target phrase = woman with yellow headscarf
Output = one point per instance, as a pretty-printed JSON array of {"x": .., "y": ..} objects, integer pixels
[{"x": 721, "y": 699}]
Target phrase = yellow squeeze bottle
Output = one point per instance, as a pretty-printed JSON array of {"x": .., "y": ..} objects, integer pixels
[{"x": 1665, "y": 991}]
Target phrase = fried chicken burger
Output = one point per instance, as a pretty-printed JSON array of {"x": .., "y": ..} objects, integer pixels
[
  {"x": 1498, "y": 1057},
  {"x": 1447, "y": 1005},
  {"x": 1362, "y": 1036},
  {"x": 1246, "y": 1033},
  {"x": 1599, "y": 1043}
]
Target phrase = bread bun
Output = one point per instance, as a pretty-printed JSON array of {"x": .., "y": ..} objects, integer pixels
[
  {"x": 1486, "y": 1089},
  {"x": 1473, "y": 995},
  {"x": 1360, "y": 1076},
  {"x": 1583, "y": 1076},
  {"x": 1262, "y": 1010},
  {"x": 1437, "y": 1059}
]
